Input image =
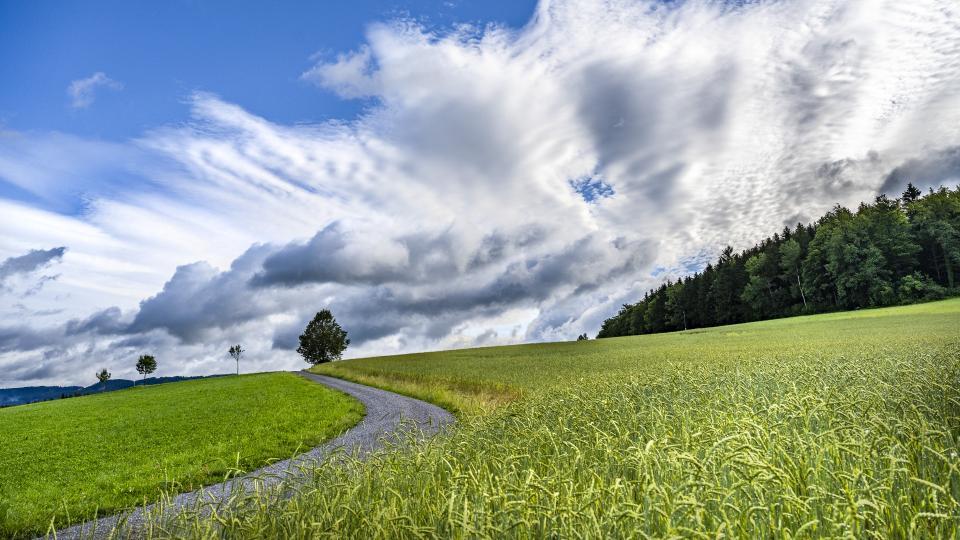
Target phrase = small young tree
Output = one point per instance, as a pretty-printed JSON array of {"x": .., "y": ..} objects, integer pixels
[
  {"x": 103, "y": 376},
  {"x": 236, "y": 352},
  {"x": 323, "y": 340},
  {"x": 146, "y": 365}
]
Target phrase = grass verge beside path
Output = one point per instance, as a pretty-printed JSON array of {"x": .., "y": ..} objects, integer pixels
[
  {"x": 70, "y": 460},
  {"x": 461, "y": 397}
]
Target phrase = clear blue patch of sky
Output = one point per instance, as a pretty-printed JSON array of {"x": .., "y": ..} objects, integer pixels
[
  {"x": 251, "y": 53},
  {"x": 592, "y": 188}
]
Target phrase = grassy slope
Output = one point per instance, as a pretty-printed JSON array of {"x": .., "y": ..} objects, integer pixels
[
  {"x": 471, "y": 381},
  {"x": 842, "y": 425},
  {"x": 71, "y": 458}
]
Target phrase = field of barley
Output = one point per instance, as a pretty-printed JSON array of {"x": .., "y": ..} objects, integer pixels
[{"x": 839, "y": 425}]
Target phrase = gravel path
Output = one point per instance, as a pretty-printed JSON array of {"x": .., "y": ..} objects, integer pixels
[{"x": 388, "y": 418}]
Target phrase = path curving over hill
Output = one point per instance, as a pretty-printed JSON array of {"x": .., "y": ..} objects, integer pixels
[{"x": 389, "y": 417}]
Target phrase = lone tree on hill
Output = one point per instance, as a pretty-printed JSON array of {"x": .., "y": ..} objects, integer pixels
[
  {"x": 583, "y": 337},
  {"x": 236, "y": 352},
  {"x": 103, "y": 376},
  {"x": 323, "y": 340},
  {"x": 146, "y": 365}
]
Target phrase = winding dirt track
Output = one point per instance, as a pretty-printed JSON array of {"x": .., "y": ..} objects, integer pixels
[{"x": 389, "y": 417}]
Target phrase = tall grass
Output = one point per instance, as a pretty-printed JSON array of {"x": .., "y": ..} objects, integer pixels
[{"x": 833, "y": 426}]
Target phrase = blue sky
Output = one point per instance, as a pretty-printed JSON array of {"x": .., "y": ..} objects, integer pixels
[
  {"x": 251, "y": 53},
  {"x": 178, "y": 177}
]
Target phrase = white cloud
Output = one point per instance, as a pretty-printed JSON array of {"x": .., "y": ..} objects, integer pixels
[
  {"x": 83, "y": 92},
  {"x": 448, "y": 214},
  {"x": 351, "y": 76}
]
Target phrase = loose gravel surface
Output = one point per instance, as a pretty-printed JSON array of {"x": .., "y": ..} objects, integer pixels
[{"x": 389, "y": 417}]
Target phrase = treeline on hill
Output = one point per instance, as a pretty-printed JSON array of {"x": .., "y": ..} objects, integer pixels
[{"x": 893, "y": 251}]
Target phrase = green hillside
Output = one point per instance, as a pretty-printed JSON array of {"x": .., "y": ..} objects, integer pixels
[
  {"x": 66, "y": 461},
  {"x": 474, "y": 380},
  {"x": 840, "y": 425}
]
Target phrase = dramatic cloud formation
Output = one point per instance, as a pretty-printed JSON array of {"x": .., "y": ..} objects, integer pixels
[
  {"x": 83, "y": 92},
  {"x": 504, "y": 185}
]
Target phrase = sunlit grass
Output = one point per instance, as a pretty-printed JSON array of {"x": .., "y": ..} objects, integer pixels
[
  {"x": 68, "y": 460},
  {"x": 841, "y": 425},
  {"x": 476, "y": 380}
]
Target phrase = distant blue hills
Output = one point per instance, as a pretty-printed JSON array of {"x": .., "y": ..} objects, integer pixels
[{"x": 32, "y": 394}]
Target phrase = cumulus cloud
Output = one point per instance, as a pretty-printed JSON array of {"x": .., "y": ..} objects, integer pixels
[
  {"x": 83, "y": 92},
  {"x": 105, "y": 322},
  {"x": 503, "y": 184},
  {"x": 198, "y": 299}
]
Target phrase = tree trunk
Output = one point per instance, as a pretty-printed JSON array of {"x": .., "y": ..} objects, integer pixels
[
  {"x": 936, "y": 263},
  {"x": 800, "y": 286},
  {"x": 947, "y": 265}
]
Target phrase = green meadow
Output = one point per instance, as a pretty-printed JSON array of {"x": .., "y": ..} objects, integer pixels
[
  {"x": 842, "y": 425},
  {"x": 471, "y": 381},
  {"x": 69, "y": 460}
]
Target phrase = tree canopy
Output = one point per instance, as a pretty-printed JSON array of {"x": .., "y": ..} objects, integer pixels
[
  {"x": 103, "y": 376},
  {"x": 892, "y": 251},
  {"x": 236, "y": 352},
  {"x": 323, "y": 340},
  {"x": 146, "y": 365}
]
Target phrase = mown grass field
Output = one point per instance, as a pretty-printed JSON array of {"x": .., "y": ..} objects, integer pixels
[
  {"x": 844, "y": 425},
  {"x": 65, "y": 461}
]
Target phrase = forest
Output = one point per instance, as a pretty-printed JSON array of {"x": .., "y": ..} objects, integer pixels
[{"x": 893, "y": 251}]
